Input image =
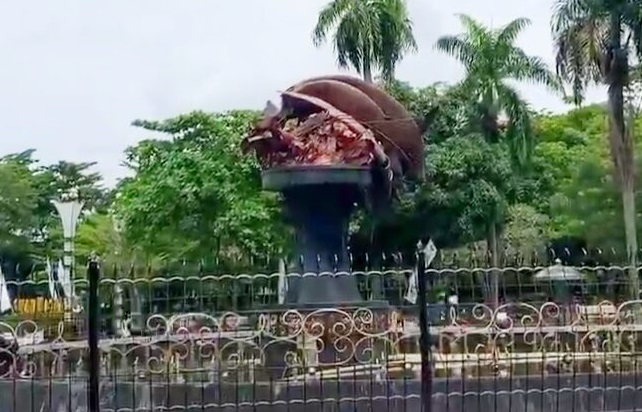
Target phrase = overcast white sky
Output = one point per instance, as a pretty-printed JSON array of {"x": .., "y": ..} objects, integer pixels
[{"x": 74, "y": 73}]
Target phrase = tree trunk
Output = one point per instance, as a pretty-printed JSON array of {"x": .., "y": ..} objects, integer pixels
[
  {"x": 621, "y": 145},
  {"x": 367, "y": 72},
  {"x": 629, "y": 212},
  {"x": 491, "y": 281},
  {"x": 630, "y": 230}
]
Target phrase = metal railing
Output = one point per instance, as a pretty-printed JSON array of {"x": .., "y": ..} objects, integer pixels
[{"x": 507, "y": 339}]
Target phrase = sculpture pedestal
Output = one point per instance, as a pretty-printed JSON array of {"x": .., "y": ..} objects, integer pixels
[
  {"x": 323, "y": 301},
  {"x": 319, "y": 200}
]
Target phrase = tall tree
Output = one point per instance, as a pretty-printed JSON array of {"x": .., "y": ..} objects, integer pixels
[
  {"x": 491, "y": 59},
  {"x": 593, "y": 41},
  {"x": 368, "y": 34}
]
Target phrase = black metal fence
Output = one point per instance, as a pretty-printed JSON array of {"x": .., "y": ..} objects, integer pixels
[{"x": 182, "y": 337}]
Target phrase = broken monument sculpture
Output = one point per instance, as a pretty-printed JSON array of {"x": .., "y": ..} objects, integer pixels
[{"x": 335, "y": 144}]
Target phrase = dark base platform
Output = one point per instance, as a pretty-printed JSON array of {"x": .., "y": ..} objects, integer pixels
[{"x": 577, "y": 393}]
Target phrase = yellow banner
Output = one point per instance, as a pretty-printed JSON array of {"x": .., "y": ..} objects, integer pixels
[{"x": 40, "y": 305}]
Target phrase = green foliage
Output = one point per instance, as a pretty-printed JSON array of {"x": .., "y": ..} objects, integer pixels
[
  {"x": 30, "y": 228},
  {"x": 196, "y": 193},
  {"x": 368, "y": 35},
  {"x": 576, "y": 187},
  {"x": 18, "y": 197},
  {"x": 527, "y": 232},
  {"x": 567, "y": 190},
  {"x": 467, "y": 184},
  {"x": 97, "y": 233}
]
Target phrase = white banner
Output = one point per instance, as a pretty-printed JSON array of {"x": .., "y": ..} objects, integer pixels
[
  {"x": 64, "y": 277},
  {"x": 51, "y": 281},
  {"x": 283, "y": 282},
  {"x": 429, "y": 252},
  {"x": 5, "y": 299}
]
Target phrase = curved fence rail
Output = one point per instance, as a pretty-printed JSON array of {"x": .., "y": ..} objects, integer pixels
[{"x": 509, "y": 339}]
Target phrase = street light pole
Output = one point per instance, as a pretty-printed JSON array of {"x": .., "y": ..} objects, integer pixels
[
  {"x": 117, "y": 309},
  {"x": 69, "y": 211}
]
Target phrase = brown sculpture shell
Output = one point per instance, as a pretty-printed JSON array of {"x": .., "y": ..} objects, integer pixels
[
  {"x": 321, "y": 104},
  {"x": 392, "y": 123},
  {"x": 344, "y": 97}
]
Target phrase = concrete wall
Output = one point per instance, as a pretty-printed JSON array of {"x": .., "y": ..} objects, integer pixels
[{"x": 578, "y": 393}]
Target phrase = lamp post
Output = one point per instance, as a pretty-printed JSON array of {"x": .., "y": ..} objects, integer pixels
[{"x": 69, "y": 208}]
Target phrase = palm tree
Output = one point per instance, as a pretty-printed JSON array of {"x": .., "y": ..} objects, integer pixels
[
  {"x": 491, "y": 58},
  {"x": 368, "y": 34},
  {"x": 593, "y": 41}
]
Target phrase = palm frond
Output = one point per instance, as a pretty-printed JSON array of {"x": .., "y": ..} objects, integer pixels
[
  {"x": 632, "y": 19},
  {"x": 459, "y": 47},
  {"x": 348, "y": 44},
  {"x": 567, "y": 13},
  {"x": 578, "y": 55},
  {"x": 524, "y": 68},
  {"x": 490, "y": 58},
  {"x": 472, "y": 27},
  {"x": 518, "y": 132},
  {"x": 508, "y": 34},
  {"x": 635, "y": 74},
  {"x": 580, "y": 34},
  {"x": 395, "y": 35},
  {"x": 329, "y": 17}
]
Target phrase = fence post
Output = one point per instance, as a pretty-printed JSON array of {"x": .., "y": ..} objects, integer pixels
[
  {"x": 93, "y": 394},
  {"x": 424, "y": 329}
]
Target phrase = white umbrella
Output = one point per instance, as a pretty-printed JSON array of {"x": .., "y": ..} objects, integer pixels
[{"x": 559, "y": 272}]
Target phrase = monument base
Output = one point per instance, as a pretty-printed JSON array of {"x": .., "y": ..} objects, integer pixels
[
  {"x": 319, "y": 201},
  {"x": 325, "y": 321},
  {"x": 313, "y": 337}
]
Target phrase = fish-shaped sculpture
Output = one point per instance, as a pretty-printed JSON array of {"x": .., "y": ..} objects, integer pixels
[
  {"x": 362, "y": 106},
  {"x": 398, "y": 131}
]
